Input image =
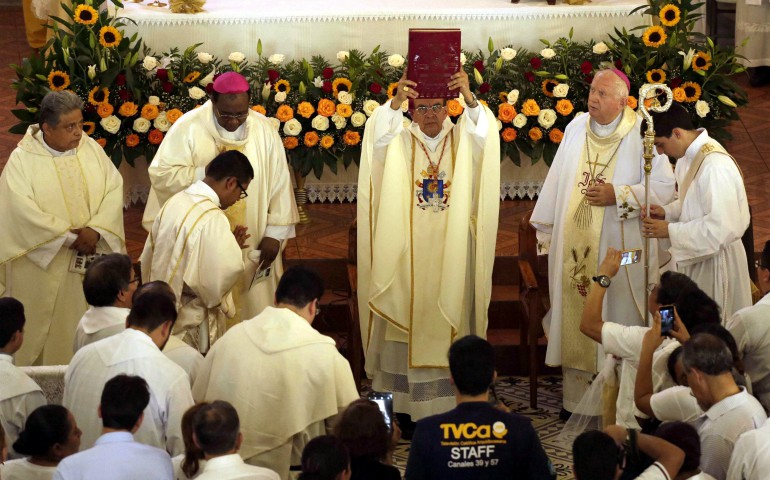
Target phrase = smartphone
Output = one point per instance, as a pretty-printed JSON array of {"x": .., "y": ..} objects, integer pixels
[
  {"x": 666, "y": 319},
  {"x": 627, "y": 257},
  {"x": 384, "y": 400}
]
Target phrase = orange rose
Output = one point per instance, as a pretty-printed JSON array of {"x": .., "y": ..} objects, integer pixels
[
  {"x": 344, "y": 110},
  {"x": 128, "y": 109},
  {"x": 351, "y": 138},
  {"x": 306, "y": 109},
  {"x": 290, "y": 143},
  {"x": 679, "y": 94},
  {"x": 259, "y": 109},
  {"x": 311, "y": 139},
  {"x": 535, "y": 134},
  {"x": 284, "y": 113},
  {"x": 326, "y": 107},
  {"x": 508, "y": 134},
  {"x": 104, "y": 110},
  {"x": 173, "y": 115},
  {"x": 102, "y": 142},
  {"x": 132, "y": 140},
  {"x": 564, "y": 107},
  {"x": 150, "y": 112},
  {"x": 327, "y": 141},
  {"x": 454, "y": 108},
  {"x": 155, "y": 136},
  {"x": 632, "y": 102},
  {"x": 530, "y": 108},
  {"x": 506, "y": 112},
  {"x": 556, "y": 135}
]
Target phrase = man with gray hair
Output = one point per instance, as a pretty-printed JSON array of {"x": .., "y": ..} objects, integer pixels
[
  {"x": 591, "y": 201},
  {"x": 62, "y": 201}
]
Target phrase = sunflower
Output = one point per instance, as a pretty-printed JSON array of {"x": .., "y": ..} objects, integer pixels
[
  {"x": 98, "y": 96},
  {"x": 282, "y": 86},
  {"x": 392, "y": 89},
  {"x": 656, "y": 75},
  {"x": 342, "y": 82},
  {"x": 701, "y": 61},
  {"x": 502, "y": 96},
  {"x": 192, "y": 76},
  {"x": 109, "y": 36},
  {"x": 548, "y": 86},
  {"x": 654, "y": 36},
  {"x": 58, "y": 80},
  {"x": 669, "y": 15},
  {"x": 86, "y": 15},
  {"x": 692, "y": 91},
  {"x": 89, "y": 128}
]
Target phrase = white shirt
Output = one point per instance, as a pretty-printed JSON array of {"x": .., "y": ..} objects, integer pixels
[
  {"x": 183, "y": 355},
  {"x": 675, "y": 404},
  {"x": 131, "y": 352},
  {"x": 233, "y": 466},
  {"x": 98, "y": 323},
  {"x": 750, "y": 327},
  {"x": 23, "y": 469},
  {"x": 720, "y": 427},
  {"x": 751, "y": 456},
  {"x": 656, "y": 471},
  {"x": 179, "y": 474},
  {"x": 117, "y": 456},
  {"x": 19, "y": 396}
]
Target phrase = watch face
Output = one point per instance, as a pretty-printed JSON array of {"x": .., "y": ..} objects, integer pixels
[{"x": 604, "y": 281}]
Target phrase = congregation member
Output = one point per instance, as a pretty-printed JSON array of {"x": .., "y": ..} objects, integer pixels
[
  {"x": 116, "y": 454},
  {"x": 268, "y": 211},
  {"x": 476, "y": 439},
  {"x": 751, "y": 456},
  {"x": 180, "y": 248},
  {"x": 109, "y": 285},
  {"x": 362, "y": 429},
  {"x": 190, "y": 464},
  {"x": 325, "y": 458},
  {"x": 135, "y": 351},
  {"x": 287, "y": 381},
  {"x": 217, "y": 432},
  {"x": 684, "y": 436},
  {"x": 19, "y": 394},
  {"x": 427, "y": 216},
  {"x": 50, "y": 435},
  {"x": 62, "y": 199},
  {"x": 591, "y": 201},
  {"x": 707, "y": 220}
]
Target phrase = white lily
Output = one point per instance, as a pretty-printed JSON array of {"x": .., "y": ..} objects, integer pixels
[{"x": 687, "y": 58}]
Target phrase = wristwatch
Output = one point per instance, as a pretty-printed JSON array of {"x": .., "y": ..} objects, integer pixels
[
  {"x": 602, "y": 280},
  {"x": 474, "y": 103}
]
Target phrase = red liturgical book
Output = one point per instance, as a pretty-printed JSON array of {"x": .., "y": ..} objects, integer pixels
[{"x": 434, "y": 56}]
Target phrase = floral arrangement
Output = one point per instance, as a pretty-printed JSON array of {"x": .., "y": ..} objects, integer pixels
[{"x": 320, "y": 107}]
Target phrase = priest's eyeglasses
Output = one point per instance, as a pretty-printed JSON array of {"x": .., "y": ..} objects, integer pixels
[
  {"x": 436, "y": 109},
  {"x": 759, "y": 264},
  {"x": 229, "y": 116},
  {"x": 243, "y": 191}
]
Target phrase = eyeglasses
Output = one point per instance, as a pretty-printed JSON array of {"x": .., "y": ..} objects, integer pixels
[
  {"x": 69, "y": 128},
  {"x": 228, "y": 116},
  {"x": 423, "y": 109},
  {"x": 759, "y": 264},
  {"x": 243, "y": 190}
]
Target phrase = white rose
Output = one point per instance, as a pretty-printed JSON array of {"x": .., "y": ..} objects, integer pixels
[
  {"x": 370, "y": 106},
  {"x": 92, "y": 72},
  {"x": 196, "y": 93},
  {"x": 276, "y": 58},
  {"x": 547, "y": 53},
  {"x": 153, "y": 100},
  {"x": 205, "y": 58},
  {"x": 141, "y": 125},
  {"x": 396, "y": 60},
  {"x": 702, "y": 108},
  {"x": 149, "y": 62},
  {"x": 318, "y": 82},
  {"x": 343, "y": 55},
  {"x": 292, "y": 127},
  {"x": 513, "y": 96},
  {"x": 519, "y": 120},
  {"x": 280, "y": 97},
  {"x": 205, "y": 81},
  {"x": 274, "y": 122},
  {"x": 345, "y": 97},
  {"x": 560, "y": 90},
  {"x": 339, "y": 121},
  {"x": 357, "y": 119},
  {"x": 111, "y": 123},
  {"x": 546, "y": 118},
  {"x": 499, "y": 125},
  {"x": 600, "y": 48},
  {"x": 463, "y": 59},
  {"x": 161, "y": 122},
  {"x": 508, "y": 54},
  {"x": 236, "y": 57},
  {"x": 320, "y": 123}
]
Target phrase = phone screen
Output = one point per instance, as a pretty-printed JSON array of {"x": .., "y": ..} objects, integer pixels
[
  {"x": 384, "y": 400},
  {"x": 666, "y": 319},
  {"x": 630, "y": 256}
]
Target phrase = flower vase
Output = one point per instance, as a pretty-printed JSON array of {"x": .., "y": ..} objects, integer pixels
[{"x": 300, "y": 196}]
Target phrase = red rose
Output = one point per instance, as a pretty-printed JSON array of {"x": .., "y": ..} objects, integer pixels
[
  {"x": 479, "y": 65},
  {"x": 676, "y": 82},
  {"x": 618, "y": 64},
  {"x": 120, "y": 80},
  {"x": 589, "y": 78},
  {"x": 484, "y": 87},
  {"x": 328, "y": 73},
  {"x": 272, "y": 75},
  {"x": 375, "y": 88},
  {"x": 162, "y": 74},
  {"x": 90, "y": 108},
  {"x": 586, "y": 67},
  {"x": 530, "y": 76},
  {"x": 327, "y": 87},
  {"x": 124, "y": 94},
  {"x": 535, "y": 62},
  {"x": 210, "y": 88},
  {"x": 168, "y": 87}
]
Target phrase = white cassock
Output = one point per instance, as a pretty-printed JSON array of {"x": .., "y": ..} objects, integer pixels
[
  {"x": 707, "y": 223},
  {"x": 19, "y": 396},
  {"x": 98, "y": 323},
  {"x": 43, "y": 195},
  {"x": 284, "y": 378},
  {"x": 132, "y": 353},
  {"x": 427, "y": 225},
  {"x": 269, "y": 210},
  {"x": 184, "y": 355},
  {"x": 579, "y": 236},
  {"x": 191, "y": 248}
]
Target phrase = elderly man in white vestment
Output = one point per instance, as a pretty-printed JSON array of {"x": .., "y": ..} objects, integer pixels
[
  {"x": 135, "y": 351},
  {"x": 710, "y": 215},
  {"x": 191, "y": 248},
  {"x": 428, "y": 205},
  {"x": 268, "y": 212},
  {"x": 287, "y": 381},
  {"x": 61, "y": 197},
  {"x": 591, "y": 200}
]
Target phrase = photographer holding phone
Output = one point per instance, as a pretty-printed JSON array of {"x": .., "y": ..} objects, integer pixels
[{"x": 362, "y": 428}]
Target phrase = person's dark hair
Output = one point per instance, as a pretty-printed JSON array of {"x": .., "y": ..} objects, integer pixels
[
  {"x": 362, "y": 429},
  {"x": 105, "y": 278},
  {"x": 45, "y": 427},
  {"x": 12, "y": 319},
  {"x": 721, "y": 333},
  {"x": 472, "y": 365},
  {"x": 672, "y": 285},
  {"x": 671, "y": 363},
  {"x": 192, "y": 452},
  {"x": 707, "y": 353},
  {"x": 158, "y": 286},
  {"x": 216, "y": 427},
  {"x": 299, "y": 286},
  {"x": 151, "y": 309},
  {"x": 684, "y": 436},
  {"x": 230, "y": 163},
  {"x": 595, "y": 456},
  {"x": 324, "y": 458},
  {"x": 665, "y": 122},
  {"x": 695, "y": 308},
  {"x": 56, "y": 104},
  {"x": 124, "y": 398}
]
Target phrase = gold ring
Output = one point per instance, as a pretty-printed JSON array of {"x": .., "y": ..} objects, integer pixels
[{"x": 406, "y": 89}]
